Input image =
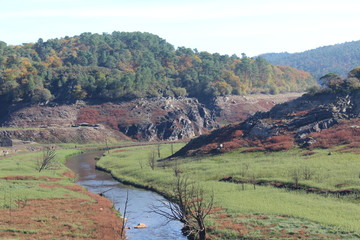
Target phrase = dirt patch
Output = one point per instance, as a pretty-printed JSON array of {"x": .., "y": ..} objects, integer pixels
[
  {"x": 75, "y": 188},
  {"x": 36, "y": 178},
  {"x": 68, "y": 174},
  {"x": 119, "y": 150},
  {"x": 61, "y": 219}
]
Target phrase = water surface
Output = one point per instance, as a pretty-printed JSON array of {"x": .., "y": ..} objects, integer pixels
[{"x": 139, "y": 205}]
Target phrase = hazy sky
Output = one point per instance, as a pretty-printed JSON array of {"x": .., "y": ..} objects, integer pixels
[{"x": 224, "y": 26}]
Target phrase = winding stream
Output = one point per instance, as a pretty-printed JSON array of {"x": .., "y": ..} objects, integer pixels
[{"x": 139, "y": 200}]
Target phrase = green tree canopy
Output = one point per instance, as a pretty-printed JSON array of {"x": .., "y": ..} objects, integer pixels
[{"x": 125, "y": 65}]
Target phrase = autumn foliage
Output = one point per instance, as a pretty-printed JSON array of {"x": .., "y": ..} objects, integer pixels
[
  {"x": 124, "y": 65},
  {"x": 347, "y": 132}
]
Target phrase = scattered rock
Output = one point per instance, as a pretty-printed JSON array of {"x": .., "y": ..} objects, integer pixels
[
  {"x": 5, "y": 140},
  {"x": 141, "y": 225},
  {"x": 282, "y": 126}
]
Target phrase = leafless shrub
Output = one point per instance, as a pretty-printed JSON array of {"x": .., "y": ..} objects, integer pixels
[
  {"x": 308, "y": 173},
  {"x": 158, "y": 151},
  {"x": 152, "y": 160},
  {"x": 295, "y": 175},
  {"x": 48, "y": 159},
  {"x": 190, "y": 207},
  {"x": 141, "y": 164},
  {"x": 177, "y": 170},
  {"x": 124, "y": 215},
  {"x": 244, "y": 169}
]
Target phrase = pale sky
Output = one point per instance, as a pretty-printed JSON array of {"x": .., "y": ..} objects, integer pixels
[{"x": 224, "y": 26}]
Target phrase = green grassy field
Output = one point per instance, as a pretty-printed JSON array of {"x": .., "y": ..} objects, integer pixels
[
  {"x": 20, "y": 181},
  {"x": 321, "y": 216},
  {"x": 48, "y": 204}
]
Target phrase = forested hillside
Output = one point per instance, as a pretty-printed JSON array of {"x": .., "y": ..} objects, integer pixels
[
  {"x": 339, "y": 59},
  {"x": 131, "y": 65}
]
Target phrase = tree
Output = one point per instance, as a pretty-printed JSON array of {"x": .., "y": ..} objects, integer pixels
[
  {"x": 48, "y": 159},
  {"x": 331, "y": 80},
  {"x": 41, "y": 95},
  {"x": 189, "y": 207},
  {"x": 355, "y": 73},
  {"x": 152, "y": 160},
  {"x": 132, "y": 65},
  {"x": 78, "y": 92}
]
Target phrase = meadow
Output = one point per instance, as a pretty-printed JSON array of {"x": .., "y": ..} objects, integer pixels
[
  {"x": 48, "y": 204},
  {"x": 245, "y": 211}
]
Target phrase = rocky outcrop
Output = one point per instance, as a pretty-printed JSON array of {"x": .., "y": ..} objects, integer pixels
[
  {"x": 150, "y": 119},
  {"x": 285, "y": 124},
  {"x": 141, "y": 119},
  {"x": 234, "y": 108},
  {"x": 42, "y": 116},
  {"x": 65, "y": 135},
  {"x": 161, "y": 118},
  {"x": 5, "y": 140},
  {"x": 302, "y": 116}
]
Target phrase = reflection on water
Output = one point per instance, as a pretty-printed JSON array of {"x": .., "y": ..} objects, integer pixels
[{"x": 139, "y": 200}]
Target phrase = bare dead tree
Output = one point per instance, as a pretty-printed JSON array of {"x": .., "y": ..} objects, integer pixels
[
  {"x": 124, "y": 215},
  {"x": 172, "y": 148},
  {"x": 295, "y": 175},
  {"x": 199, "y": 209},
  {"x": 176, "y": 169},
  {"x": 141, "y": 164},
  {"x": 152, "y": 160},
  {"x": 189, "y": 207},
  {"x": 308, "y": 173},
  {"x": 158, "y": 151},
  {"x": 253, "y": 180},
  {"x": 48, "y": 159},
  {"x": 107, "y": 145},
  {"x": 244, "y": 169}
]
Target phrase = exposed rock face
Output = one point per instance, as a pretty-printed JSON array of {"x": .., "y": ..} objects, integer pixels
[
  {"x": 291, "y": 121},
  {"x": 154, "y": 119},
  {"x": 141, "y": 119},
  {"x": 5, "y": 140},
  {"x": 233, "y": 109},
  {"x": 65, "y": 135},
  {"x": 41, "y": 116},
  {"x": 302, "y": 116}
]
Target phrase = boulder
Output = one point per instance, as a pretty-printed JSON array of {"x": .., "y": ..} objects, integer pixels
[
  {"x": 5, "y": 141},
  {"x": 141, "y": 225}
]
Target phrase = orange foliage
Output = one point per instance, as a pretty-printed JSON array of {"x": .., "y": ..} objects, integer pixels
[
  {"x": 346, "y": 132},
  {"x": 279, "y": 143},
  {"x": 254, "y": 149},
  {"x": 105, "y": 115},
  {"x": 88, "y": 115}
]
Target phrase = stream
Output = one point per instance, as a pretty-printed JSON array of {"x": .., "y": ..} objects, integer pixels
[{"x": 139, "y": 200}]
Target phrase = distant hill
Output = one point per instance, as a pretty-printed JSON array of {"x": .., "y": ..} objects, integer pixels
[
  {"x": 125, "y": 65},
  {"x": 339, "y": 59}
]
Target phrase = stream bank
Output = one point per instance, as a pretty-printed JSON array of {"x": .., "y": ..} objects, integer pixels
[{"x": 139, "y": 205}]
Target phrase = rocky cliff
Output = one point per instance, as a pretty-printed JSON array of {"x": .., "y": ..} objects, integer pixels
[
  {"x": 153, "y": 119},
  {"x": 307, "y": 122},
  {"x": 141, "y": 119},
  {"x": 235, "y": 108}
]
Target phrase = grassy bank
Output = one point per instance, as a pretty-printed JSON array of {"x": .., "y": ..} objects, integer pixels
[
  {"x": 265, "y": 212},
  {"x": 47, "y": 204}
]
